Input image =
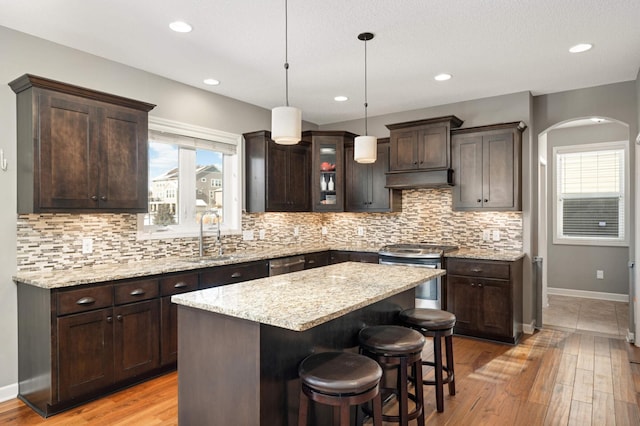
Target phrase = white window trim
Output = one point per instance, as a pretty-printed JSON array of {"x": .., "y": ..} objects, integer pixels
[
  {"x": 587, "y": 241},
  {"x": 232, "y": 174}
]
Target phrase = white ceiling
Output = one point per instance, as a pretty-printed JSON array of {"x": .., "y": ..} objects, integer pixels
[{"x": 490, "y": 47}]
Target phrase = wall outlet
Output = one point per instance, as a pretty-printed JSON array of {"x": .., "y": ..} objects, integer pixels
[
  {"x": 496, "y": 235},
  {"x": 262, "y": 234},
  {"x": 247, "y": 235},
  {"x": 87, "y": 246},
  {"x": 324, "y": 231},
  {"x": 361, "y": 231},
  {"x": 600, "y": 274},
  {"x": 296, "y": 231},
  {"x": 486, "y": 235}
]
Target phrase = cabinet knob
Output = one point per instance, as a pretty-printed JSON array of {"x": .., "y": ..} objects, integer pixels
[
  {"x": 486, "y": 200},
  {"x": 119, "y": 317},
  {"x": 103, "y": 198},
  {"x": 109, "y": 319},
  {"x": 479, "y": 200},
  {"x": 415, "y": 163},
  {"x": 479, "y": 284},
  {"x": 94, "y": 197},
  {"x": 473, "y": 284}
]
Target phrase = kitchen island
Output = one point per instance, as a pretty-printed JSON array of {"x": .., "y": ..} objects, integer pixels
[{"x": 240, "y": 345}]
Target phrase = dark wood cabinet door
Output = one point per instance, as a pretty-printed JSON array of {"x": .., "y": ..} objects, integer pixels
[
  {"x": 328, "y": 148},
  {"x": 277, "y": 177},
  {"x": 85, "y": 353},
  {"x": 357, "y": 183},
  {"x": 66, "y": 175},
  {"x": 136, "y": 338},
  {"x": 123, "y": 159},
  {"x": 381, "y": 198},
  {"x": 433, "y": 148},
  {"x": 404, "y": 150},
  {"x": 299, "y": 179},
  {"x": 338, "y": 256},
  {"x": 467, "y": 163},
  {"x": 316, "y": 260},
  {"x": 494, "y": 307},
  {"x": 462, "y": 301},
  {"x": 498, "y": 170},
  {"x": 169, "y": 331}
]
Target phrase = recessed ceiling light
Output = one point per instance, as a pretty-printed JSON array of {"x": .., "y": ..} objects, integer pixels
[
  {"x": 442, "y": 77},
  {"x": 211, "y": 81},
  {"x": 579, "y": 48},
  {"x": 340, "y": 98},
  {"x": 180, "y": 27}
]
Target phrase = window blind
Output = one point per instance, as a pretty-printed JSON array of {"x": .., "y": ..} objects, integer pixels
[{"x": 192, "y": 142}]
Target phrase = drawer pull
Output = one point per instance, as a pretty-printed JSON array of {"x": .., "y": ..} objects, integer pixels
[
  {"x": 311, "y": 262},
  {"x": 476, "y": 270},
  {"x": 137, "y": 292},
  {"x": 86, "y": 301},
  {"x": 236, "y": 275},
  {"x": 180, "y": 284}
]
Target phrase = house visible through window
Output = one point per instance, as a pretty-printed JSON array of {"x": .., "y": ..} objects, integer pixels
[
  {"x": 190, "y": 178},
  {"x": 591, "y": 190}
]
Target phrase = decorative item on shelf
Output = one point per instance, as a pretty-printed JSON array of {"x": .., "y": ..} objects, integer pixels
[
  {"x": 365, "y": 147},
  {"x": 330, "y": 185},
  {"x": 327, "y": 167},
  {"x": 286, "y": 121},
  {"x": 323, "y": 184}
]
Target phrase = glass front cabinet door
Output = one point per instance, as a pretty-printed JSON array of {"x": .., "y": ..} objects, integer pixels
[{"x": 327, "y": 172}]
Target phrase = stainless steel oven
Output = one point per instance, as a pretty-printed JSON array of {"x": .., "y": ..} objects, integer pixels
[{"x": 429, "y": 293}]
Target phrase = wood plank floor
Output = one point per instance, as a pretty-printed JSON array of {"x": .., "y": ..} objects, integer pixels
[{"x": 551, "y": 378}]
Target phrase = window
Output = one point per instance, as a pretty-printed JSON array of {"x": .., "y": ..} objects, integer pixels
[
  {"x": 182, "y": 160},
  {"x": 590, "y": 193}
]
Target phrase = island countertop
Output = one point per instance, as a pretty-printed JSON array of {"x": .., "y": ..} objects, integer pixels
[{"x": 301, "y": 300}]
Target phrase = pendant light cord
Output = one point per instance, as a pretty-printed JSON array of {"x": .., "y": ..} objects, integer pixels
[
  {"x": 366, "y": 104},
  {"x": 286, "y": 53}
]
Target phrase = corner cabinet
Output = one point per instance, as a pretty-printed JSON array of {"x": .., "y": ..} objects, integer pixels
[
  {"x": 277, "y": 176},
  {"x": 365, "y": 183},
  {"x": 328, "y": 169},
  {"x": 79, "y": 150},
  {"x": 487, "y": 167},
  {"x": 486, "y": 298}
]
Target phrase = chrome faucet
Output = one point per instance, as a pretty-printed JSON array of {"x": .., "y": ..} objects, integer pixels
[{"x": 218, "y": 235}]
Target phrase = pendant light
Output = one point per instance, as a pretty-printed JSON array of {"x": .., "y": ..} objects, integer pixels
[
  {"x": 286, "y": 120},
  {"x": 365, "y": 147}
]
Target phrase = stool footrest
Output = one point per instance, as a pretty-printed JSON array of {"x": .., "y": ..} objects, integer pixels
[{"x": 445, "y": 380}]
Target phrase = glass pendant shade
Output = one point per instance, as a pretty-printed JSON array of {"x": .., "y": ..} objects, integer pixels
[
  {"x": 286, "y": 125},
  {"x": 365, "y": 149}
]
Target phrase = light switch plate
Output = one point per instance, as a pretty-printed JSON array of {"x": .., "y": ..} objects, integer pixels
[
  {"x": 325, "y": 231},
  {"x": 486, "y": 235},
  {"x": 496, "y": 235},
  {"x": 361, "y": 231},
  {"x": 87, "y": 246},
  {"x": 262, "y": 234}
]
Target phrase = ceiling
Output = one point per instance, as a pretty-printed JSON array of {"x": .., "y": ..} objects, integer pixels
[{"x": 490, "y": 47}]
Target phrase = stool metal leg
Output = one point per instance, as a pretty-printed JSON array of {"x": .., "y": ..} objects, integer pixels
[
  {"x": 437, "y": 354},
  {"x": 448, "y": 341}
]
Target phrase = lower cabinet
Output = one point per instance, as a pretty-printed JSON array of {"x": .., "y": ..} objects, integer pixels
[
  {"x": 170, "y": 285},
  {"x": 339, "y": 256},
  {"x": 316, "y": 260},
  {"x": 486, "y": 298},
  {"x": 231, "y": 274}
]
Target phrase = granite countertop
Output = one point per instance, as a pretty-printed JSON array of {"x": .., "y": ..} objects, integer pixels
[
  {"x": 301, "y": 300},
  {"x": 485, "y": 254}
]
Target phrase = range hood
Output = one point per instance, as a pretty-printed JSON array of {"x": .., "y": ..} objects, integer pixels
[{"x": 421, "y": 153}]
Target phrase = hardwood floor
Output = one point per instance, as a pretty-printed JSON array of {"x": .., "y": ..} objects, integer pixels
[{"x": 551, "y": 378}]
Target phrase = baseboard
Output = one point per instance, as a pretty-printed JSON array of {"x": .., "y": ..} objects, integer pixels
[
  {"x": 612, "y": 297},
  {"x": 529, "y": 328},
  {"x": 8, "y": 392}
]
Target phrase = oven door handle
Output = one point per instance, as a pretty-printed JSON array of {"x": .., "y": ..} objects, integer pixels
[{"x": 418, "y": 265}]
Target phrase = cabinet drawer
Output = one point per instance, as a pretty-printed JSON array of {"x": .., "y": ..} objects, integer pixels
[
  {"x": 478, "y": 268},
  {"x": 136, "y": 291},
  {"x": 86, "y": 299},
  {"x": 178, "y": 284},
  {"x": 229, "y": 274}
]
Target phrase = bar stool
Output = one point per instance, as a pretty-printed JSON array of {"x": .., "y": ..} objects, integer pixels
[
  {"x": 395, "y": 347},
  {"x": 437, "y": 324},
  {"x": 339, "y": 379}
]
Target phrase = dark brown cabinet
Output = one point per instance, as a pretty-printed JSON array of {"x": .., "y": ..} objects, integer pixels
[
  {"x": 231, "y": 274},
  {"x": 79, "y": 150},
  {"x": 365, "y": 183},
  {"x": 316, "y": 260},
  {"x": 487, "y": 167},
  {"x": 327, "y": 169},
  {"x": 486, "y": 298},
  {"x": 170, "y": 285},
  {"x": 278, "y": 176},
  {"x": 339, "y": 256}
]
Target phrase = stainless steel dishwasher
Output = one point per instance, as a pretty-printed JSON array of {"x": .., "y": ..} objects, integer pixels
[{"x": 285, "y": 265}]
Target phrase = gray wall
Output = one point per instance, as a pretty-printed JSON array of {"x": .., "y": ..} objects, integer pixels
[
  {"x": 574, "y": 266},
  {"x": 22, "y": 54}
]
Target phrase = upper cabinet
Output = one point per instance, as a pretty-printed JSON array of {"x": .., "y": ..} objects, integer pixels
[
  {"x": 420, "y": 153},
  {"x": 365, "y": 183},
  {"x": 79, "y": 150},
  {"x": 487, "y": 167},
  {"x": 277, "y": 176},
  {"x": 328, "y": 170}
]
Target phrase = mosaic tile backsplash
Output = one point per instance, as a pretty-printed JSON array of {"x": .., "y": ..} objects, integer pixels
[{"x": 54, "y": 241}]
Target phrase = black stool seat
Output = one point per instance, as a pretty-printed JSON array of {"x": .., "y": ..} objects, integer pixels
[
  {"x": 437, "y": 324},
  {"x": 341, "y": 380},
  {"x": 390, "y": 340},
  {"x": 431, "y": 319},
  {"x": 339, "y": 372}
]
